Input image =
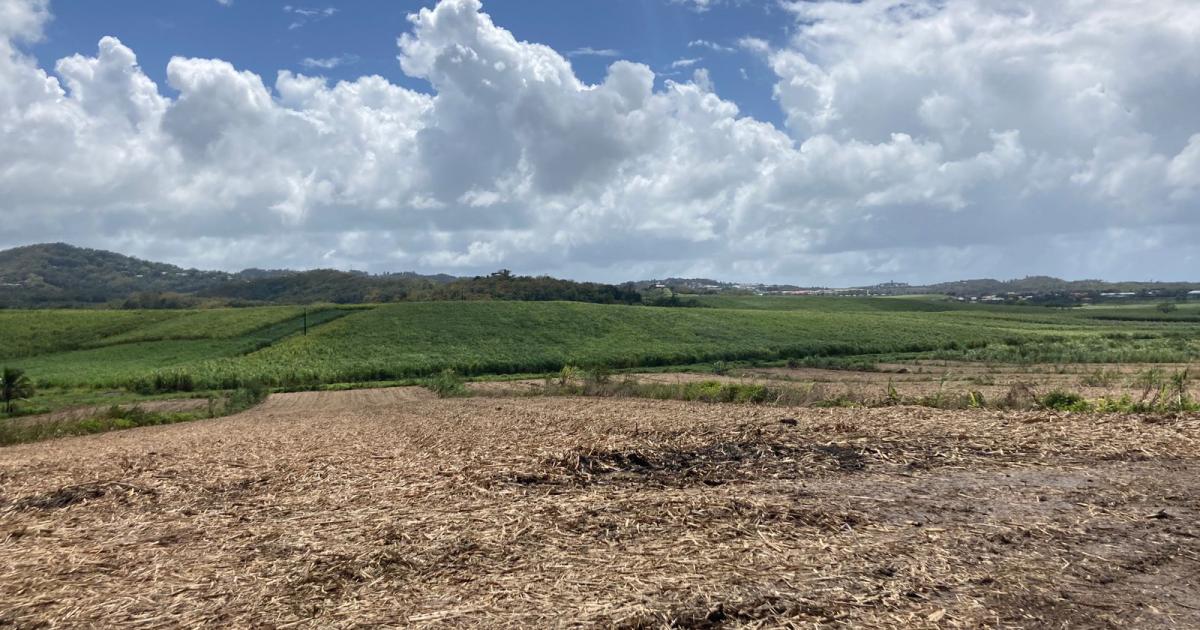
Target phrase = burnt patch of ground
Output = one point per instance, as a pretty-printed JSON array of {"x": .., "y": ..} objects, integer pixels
[{"x": 711, "y": 464}]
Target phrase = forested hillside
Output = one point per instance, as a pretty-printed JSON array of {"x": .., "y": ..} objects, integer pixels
[{"x": 60, "y": 275}]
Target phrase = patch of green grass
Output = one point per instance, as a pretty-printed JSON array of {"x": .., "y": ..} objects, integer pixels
[
  {"x": 118, "y": 416},
  {"x": 50, "y": 400}
]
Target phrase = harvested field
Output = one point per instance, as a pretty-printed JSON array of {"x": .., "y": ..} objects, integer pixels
[{"x": 392, "y": 507}]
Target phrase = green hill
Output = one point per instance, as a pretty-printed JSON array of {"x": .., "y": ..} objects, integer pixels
[{"x": 60, "y": 275}]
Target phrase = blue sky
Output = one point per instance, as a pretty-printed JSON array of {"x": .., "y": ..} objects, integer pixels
[
  {"x": 264, "y": 37},
  {"x": 828, "y": 143}
]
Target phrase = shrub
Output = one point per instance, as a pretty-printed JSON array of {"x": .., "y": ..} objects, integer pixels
[
  {"x": 1124, "y": 404},
  {"x": 1064, "y": 401},
  {"x": 708, "y": 391},
  {"x": 248, "y": 395},
  {"x": 568, "y": 375},
  {"x": 447, "y": 384},
  {"x": 757, "y": 394},
  {"x": 597, "y": 375}
]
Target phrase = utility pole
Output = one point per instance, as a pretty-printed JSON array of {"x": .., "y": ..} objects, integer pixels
[{"x": 306, "y": 321}]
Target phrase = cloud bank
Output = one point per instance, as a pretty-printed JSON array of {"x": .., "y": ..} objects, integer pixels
[{"x": 924, "y": 140}]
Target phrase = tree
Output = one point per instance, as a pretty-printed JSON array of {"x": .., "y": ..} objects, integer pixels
[
  {"x": 1166, "y": 307},
  {"x": 14, "y": 386}
]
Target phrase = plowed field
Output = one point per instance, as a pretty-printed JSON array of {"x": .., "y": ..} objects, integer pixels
[{"x": 391, "y": 507}]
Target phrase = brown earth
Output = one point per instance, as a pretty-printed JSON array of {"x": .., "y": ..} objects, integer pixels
[{"x": 390, "y": 507}]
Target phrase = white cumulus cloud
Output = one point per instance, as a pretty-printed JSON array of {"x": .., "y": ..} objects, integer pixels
[{"x": 923, "y": 140}]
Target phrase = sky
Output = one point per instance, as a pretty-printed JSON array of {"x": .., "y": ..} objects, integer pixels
[{"x": 814, "y": 143}]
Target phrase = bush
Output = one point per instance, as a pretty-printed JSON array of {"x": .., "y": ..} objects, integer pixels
[
  {"x": 447, "y": 384},
  {"x": 751, "y": 394},
  {"x": 1124, "y": 404},
  {"x": 248, "y": 395},
  {"x": 597, "y": 375},
  {"x": 568, "y": 375},
  {"x": 1064, "y": 401}
]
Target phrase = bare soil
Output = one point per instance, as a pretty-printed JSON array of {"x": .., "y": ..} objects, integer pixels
[{"x": 391, "y": 507}]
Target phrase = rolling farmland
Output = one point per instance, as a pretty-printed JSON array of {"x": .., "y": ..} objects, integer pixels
[
  {"x": 1036, "y": 481},
  {"x": 222, "y": 348}
]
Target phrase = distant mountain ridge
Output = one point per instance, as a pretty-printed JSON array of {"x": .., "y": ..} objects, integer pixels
[
  {"x": 1042, "y": 285},
  {"x": 58, "y": 274}
]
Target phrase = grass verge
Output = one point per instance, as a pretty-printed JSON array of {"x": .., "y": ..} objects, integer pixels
[
  {"x": 1163, "y": 393},
  {"x": 116, "y": 417}
]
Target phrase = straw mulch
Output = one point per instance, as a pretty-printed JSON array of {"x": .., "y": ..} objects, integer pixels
[{"x": 388, "y": 507}]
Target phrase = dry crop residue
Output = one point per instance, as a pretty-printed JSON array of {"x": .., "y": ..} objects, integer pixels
[{"x": 390, "y": 507}]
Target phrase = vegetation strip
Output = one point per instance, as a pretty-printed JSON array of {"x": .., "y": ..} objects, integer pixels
[
  {"x": 1161, "y": 392},
  {"x": 68, "y": 354},
  {"x": 116, "y": 417}
]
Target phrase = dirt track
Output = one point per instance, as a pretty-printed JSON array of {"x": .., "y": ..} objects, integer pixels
[{"x": 388, "y": 506}]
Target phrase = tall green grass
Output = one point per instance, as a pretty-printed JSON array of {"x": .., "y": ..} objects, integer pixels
[
  {"x": 414, "y": 340},
  {"x": 222, "y": 323},
  {"x": 133, "y": 364},
  {"x": 27, "y": 333}
]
